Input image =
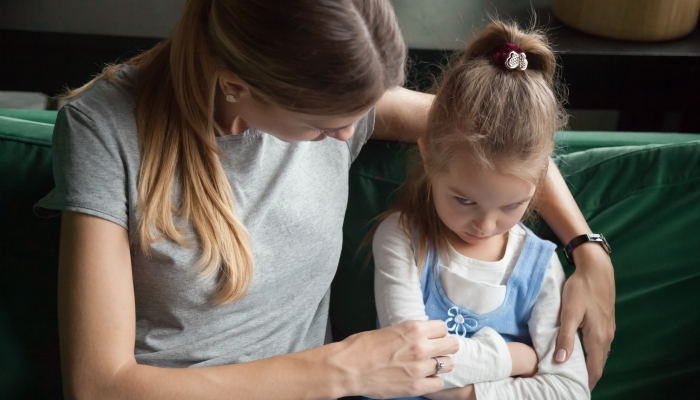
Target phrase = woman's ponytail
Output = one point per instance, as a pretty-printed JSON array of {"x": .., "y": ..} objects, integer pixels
[{"x": 184, "y": 145}]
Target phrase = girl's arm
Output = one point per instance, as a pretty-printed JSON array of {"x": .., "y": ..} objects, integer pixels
[
  {"x": 589, "y": 294},
  {"x": 554, "y": 380},
  {"x": 486, "y": 356},
  {"x": 97, "y": 332}
]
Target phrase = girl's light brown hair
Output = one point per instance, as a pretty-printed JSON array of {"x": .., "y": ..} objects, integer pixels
[
  {"x": 313, "y": 56},
  {"x": 499, "y": 119}
]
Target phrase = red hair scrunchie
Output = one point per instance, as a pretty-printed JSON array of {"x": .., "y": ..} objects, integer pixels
[{"x": 511, "y": 56}]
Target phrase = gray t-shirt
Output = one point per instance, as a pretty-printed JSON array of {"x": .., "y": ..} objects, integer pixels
[{"x": 290, "y": 196}]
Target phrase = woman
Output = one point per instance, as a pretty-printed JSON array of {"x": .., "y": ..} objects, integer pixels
[{"x": 204, "y": 211}]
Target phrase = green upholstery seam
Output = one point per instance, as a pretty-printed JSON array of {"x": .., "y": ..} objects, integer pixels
[
  {"x": 653, "y": 288},
  {"x": 626, "y": 154},
  {"x": 24, "y": 139},
  {"x": 25, "y": 121},
  {"x": 606, "y": 203}
]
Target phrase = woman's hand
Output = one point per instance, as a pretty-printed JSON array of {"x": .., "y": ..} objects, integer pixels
[
  {"x": 463, "y": 393},
  {"x": 588, "y": 302},
  {"x": 396, "y": 361}
]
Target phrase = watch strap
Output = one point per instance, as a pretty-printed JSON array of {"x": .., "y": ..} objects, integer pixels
[{"x": 579, "y": 240}]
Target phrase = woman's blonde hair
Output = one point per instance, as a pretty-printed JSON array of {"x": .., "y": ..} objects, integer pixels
[
  {"x": 312, "y": 56},
  {"x": 499, "y": 119}
]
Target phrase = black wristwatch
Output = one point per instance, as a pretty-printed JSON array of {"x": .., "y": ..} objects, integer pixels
[{"x": 579, "y": 240}]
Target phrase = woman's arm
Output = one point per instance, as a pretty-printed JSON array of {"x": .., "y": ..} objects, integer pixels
[
  {"x": 553, "y": 380},
  {"x": 402, "y": 115},
  {"x": 589, "y": 294},
  {"x": 97, "y": 332},
  {"x": 485, "y": 356}
]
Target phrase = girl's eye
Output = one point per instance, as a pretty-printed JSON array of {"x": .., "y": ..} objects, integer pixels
[
  {"x": 465, "y": 201},
  {"x": 514, "y": 206}
]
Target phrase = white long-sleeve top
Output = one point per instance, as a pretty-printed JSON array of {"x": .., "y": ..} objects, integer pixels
[{"x": 484, "y": 359}]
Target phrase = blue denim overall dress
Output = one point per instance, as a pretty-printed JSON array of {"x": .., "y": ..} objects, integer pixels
[{"x": 511, "y": 318}]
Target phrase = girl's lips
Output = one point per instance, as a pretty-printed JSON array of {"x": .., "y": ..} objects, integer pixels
[{"x": 476, "y": 237}]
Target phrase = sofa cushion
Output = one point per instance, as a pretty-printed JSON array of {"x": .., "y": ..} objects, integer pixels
[{"x": 30, "y": 368}]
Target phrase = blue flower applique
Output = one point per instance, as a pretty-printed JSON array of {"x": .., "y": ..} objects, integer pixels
[{"x": 458, "y": 323}]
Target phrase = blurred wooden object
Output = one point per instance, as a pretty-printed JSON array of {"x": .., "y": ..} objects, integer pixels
[{"x": 639, "y": 20}]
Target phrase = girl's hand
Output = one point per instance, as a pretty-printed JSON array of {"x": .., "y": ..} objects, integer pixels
[
  {"x": 588, "y": 302},
  {"x": 396, "y": 361},
  {"x": 463, "y": 393},
  {"x": 524, "y": 359}
]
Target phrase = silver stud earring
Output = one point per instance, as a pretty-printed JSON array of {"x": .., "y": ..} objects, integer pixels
[{"x": 230, "y": 98}]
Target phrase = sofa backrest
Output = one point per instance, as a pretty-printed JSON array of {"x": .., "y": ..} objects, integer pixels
[{"x": 646, "y": 199}]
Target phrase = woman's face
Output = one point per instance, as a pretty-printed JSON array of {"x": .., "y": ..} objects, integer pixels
[
  {"x": 291, "y": 126},
  {"x": 245, "y": 112}
]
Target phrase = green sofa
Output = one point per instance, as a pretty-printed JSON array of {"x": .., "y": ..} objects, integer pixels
[{"x": 641, "y": 190}]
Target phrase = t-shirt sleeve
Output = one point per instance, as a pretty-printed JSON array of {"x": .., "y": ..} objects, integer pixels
[
  {"x": 363, "y": 130},
  {"x": 89, "y": 170}
]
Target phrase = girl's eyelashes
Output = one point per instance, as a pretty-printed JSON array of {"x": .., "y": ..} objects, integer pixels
[
  {"x": 513, "y": 206},
  {"x": 464, "y": 201}
]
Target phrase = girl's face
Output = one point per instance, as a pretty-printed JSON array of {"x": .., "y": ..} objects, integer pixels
[{"x": 478, "y": 206}]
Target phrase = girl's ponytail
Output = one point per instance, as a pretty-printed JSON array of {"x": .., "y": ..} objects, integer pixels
[
  {"x": 499, "y": 118},
  {"x": 533, "y": 43}
]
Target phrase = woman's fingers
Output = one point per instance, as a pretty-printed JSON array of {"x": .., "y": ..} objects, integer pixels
[
  {"x": 429, "y": 339},
  {"x": 401, "y": 360},
  {"x": 597, "y": 342},
  {"x": 432, "y": 365},
  {"x": 588, "y": 301},
  {"x": 571, "y": 318},
  {"x": 434, "y": 329}
]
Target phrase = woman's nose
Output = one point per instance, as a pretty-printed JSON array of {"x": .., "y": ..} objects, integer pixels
[{"x": 343, "y": 134}]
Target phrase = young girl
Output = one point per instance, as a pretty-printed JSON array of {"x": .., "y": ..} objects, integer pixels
[{"x": 453, "y": 248}]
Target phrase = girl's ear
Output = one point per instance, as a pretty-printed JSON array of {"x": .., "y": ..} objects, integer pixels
[{"x": 423, "y": 152}]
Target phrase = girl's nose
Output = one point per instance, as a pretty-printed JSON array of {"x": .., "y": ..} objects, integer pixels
[
  {"x": 484, "y": 225},
  {"x": 343, "y": 134}
]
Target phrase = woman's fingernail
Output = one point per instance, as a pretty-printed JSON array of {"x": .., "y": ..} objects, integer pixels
[{"x": 561, "y": 355}]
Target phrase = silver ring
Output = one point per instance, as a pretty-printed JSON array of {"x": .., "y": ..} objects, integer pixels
[{"x": 440, "y": 365}]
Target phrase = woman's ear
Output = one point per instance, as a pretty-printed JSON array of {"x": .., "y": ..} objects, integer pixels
[
  {"x": 423, "y": 152},
  {"x": 231, "y": 85}
]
